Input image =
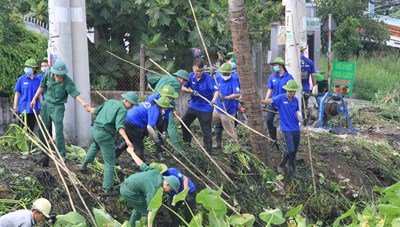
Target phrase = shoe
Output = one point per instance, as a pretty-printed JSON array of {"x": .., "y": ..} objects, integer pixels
[
  {"x": 84, "y": 169},
  {"x": 281, "y": 170},
  {"x": 112, "y": 193}
]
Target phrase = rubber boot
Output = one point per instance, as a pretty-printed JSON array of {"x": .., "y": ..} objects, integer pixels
[
  {"x": 158, "y": 154},
  {"x": 218, "y": 140},
  {"x": 118, "y": 151},
  {"x": 140, "y": 154},
  {"x": 293, "y": 169},
  {"x": 282, "y": 164},
  {"x": 273, "y": 135}
]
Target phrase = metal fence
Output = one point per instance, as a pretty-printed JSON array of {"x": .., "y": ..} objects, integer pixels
[{"x": 109, "y": 73}]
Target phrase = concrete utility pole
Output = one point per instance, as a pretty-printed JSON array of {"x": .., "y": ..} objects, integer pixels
[
  {"x": 67, "y": 27},
  {"x": 80, "y": 61},
  {"x": 295, "y": 35}
]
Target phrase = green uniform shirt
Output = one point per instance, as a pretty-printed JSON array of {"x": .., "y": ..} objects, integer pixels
[
  {"x": 110, "y": 115},
  {"x": 146, "y": 183},
  {"x": 57, "y": 91},
  {"x": 168, "y": 80}
]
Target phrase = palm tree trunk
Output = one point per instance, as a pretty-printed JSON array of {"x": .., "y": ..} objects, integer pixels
[{"x": 241, "y": 48}]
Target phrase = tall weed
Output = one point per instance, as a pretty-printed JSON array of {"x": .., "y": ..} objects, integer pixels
[{"x": 375, "y": 73}]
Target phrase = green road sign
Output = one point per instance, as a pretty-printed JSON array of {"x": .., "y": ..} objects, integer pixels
[{"x": 342, "y": 79}]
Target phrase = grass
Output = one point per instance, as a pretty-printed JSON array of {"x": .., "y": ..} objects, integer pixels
[{"x": 375, "y": 73}]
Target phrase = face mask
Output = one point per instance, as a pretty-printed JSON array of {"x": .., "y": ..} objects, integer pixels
[
  {"x": 233, "y": 64},
  {"x": 162, "y": 111},
  {"x": 28, "y": 70},
  {"x": 276, "y": 69},
  {"x": 44, "y": 69},
  {"x": 226, "y": 77}
]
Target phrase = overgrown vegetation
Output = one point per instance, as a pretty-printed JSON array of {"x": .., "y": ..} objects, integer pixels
[
  {"x": 17, "y": 45},
  {"x": 376, "y": 73}
]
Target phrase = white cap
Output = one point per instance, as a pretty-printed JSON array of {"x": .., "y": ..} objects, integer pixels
[{"x": 43, "y": 206}]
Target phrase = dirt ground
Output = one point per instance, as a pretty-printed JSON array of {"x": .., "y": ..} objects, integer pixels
[{"x": 355, "y": 162}]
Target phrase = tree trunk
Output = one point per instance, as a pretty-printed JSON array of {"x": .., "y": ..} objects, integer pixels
[{"x": 241, "y": 48}]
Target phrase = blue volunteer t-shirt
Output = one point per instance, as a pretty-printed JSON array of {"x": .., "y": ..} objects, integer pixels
[
  {"x": 276, "y": 82},
  {"x": 179, "y": 175},
  {"x": 27, "y": 88},
  {"x": 235, "y": 75},
  {"x": 307, "y": 65},
  {"x": 287, "y": 113},
  {"x": 152, "y": 98},
  {"x": 206, "y": 87},
  {"x": 144, "y": 114},
  {"x": 228, "y": 87}
]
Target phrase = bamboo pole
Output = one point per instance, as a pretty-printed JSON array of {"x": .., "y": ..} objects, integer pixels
[
  {"x": 131, "y": 63},
  {"x": 54, "y": 159},
  {"x": 68, "y": 172},
  {"x": 310, "y": 151}
]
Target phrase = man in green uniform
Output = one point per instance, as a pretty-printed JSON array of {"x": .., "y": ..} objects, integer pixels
[
  {"x": 176, "y": 82},
  {"x": 57, "y": 85},
  {"x": 139, "y": 188},
  {"x": 110, "y": 116}
]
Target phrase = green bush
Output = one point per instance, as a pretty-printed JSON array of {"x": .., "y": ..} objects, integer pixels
[{"x": 17, "y": 44}]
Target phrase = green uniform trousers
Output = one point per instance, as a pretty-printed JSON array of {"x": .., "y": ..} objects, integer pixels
[
  {"x": 54, "y": 113},
  {"x": 104, "y": 141},
  {"x": 173, "y": 131},
  {"x": 136, "y": 201}
]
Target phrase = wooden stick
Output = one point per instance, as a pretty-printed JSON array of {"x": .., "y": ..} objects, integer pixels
[
  {"x": 159, "y": 66},
  {"x": 43, "y": 147},
  {"x": 309, "y": 151},
  {"x": 53, "y": 158},
  {"x": 198, "y": 178},
  {"x": 63, "y": 164},
  {"x": 101, "y": 95},
  {"x": 206, "y": 153},
  {"x": 138, "y": 66}
]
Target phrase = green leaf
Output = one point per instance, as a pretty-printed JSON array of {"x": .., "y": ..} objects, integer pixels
[
  {"x": 102, "y": 218},
  {"x": 396, "y": 222},
  {"x": 301, "y": 221},
  {"x": 389, "y": 209},
  {"x": 181, "y": 196},
  {"x": 197, "y": 220},
  {"x": 392, "y": 188},
  {"x": 211, "y": 201},
  {"x": 272, "y": 217},
  {"x": 294, "y": 211},
  {"x": 126, "y": 224},
  {"x": 22, "y": 144},
  {"x": 71, "y": 219},
  {"x": 156, "y": 201},
  {"x": 242, "y": 220},
  {"x": 345, "y": 215}
]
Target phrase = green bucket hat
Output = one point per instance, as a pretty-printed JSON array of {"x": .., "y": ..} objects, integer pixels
[
  {"x": 291, "y": 85},
  {"x": 131, "y": 97},
  {"x": 59, "y": 68},
  {"x": 279, "y": 61},
  {"x": 44, "y": 60},
  {"x": 319, "y": 77},
  {"x": 182, "y": 74},
  {"x": 173, "y": 181},
  {"x": 303, "y": 47},
  {"x": 225, "y": 68},
  {"x": 160, "y": 167},
  {"x": 168, "y": 91},
  {"x": 31, "y": 63},
  {"x": 164, "y": 102}
]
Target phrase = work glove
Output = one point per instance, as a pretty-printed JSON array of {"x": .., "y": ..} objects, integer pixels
[
  {"x": 164, "y": 136},
  {"x": 195, "y": 93},
  {"x": 222, "y": 98},
  {"x": 315, "y": 90},
  {"x": 212, "y": 103},
  {"x": 159, "y": 142}
]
